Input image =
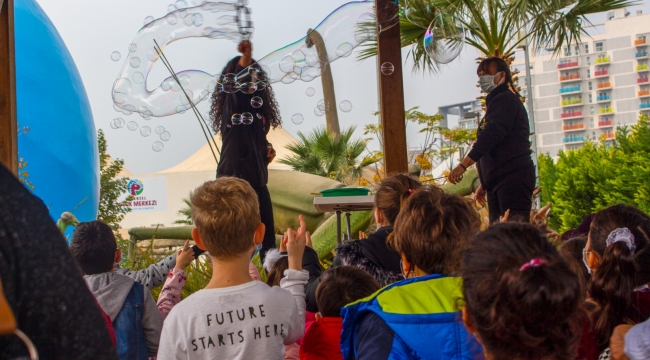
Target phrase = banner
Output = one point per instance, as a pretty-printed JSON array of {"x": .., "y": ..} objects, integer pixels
[{"x": 147, "y": 194}]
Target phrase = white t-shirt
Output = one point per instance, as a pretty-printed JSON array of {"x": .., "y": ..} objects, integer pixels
[{"x": 247, "y": 322}]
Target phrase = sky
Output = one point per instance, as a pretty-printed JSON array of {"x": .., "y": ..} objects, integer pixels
[{"x": 93, "y": 30}]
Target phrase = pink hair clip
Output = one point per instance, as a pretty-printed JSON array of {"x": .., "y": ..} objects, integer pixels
[
  {"x": 532, "y": 263},
  {"x": 410, "y": 191}
]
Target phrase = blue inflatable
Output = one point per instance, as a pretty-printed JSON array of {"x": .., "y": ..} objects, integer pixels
[{"x": 61, "y": 146}]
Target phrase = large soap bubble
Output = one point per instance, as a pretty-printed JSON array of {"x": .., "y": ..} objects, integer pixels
[{"x": 444, "y": 39}]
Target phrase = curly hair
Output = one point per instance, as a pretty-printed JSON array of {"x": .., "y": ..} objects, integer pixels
[{"x": 269, "y": 108}]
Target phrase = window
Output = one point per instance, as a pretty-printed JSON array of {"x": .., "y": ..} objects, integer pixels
[
  {"x": 592, "y": 123},
  {"x": 591, "y": 110},
  {"x": 577, "y": 49},
  {"x": 567, "y": 51},
  {"x": 593, "y": 135},
  {"x": 587, "y": 49},
  {"x": 588, "y": 73},
  {"x": 590, "y": 87},
  {"x": 591, "y": 98},
  {"x": 600, "y": 46},
  {"x": 588, "y": 59}
]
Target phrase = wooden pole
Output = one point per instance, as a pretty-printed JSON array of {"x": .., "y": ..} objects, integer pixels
[
  {"x": 391, "y": 91},
  {"x": 329, "y": 95},
  {"x": 8, "y": 126}
]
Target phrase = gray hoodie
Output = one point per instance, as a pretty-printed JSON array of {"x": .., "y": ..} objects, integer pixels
[{"x": 111, "y": 290}]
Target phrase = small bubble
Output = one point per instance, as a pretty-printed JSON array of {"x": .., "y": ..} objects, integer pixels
[
  {"x": 387, "y": 68},
  {"x": 323, "y": 105},
  {"x": 345, "y": 106},
  {"x": 133, "y": 126},
  {"x": 236, "y": 119},
  {"x": 310, "y": 91},
  {"x": 259, "y": 116},
  {"x": 247, "y": 118},
  {"x": 26, "y": 130},
  {"x": 148, "y": 21},
  {"x": 115, "y": 55},
  {"x": 160, "y": 130},
  {"x": 135, "y": 62},
  {"x": 171, "y": 8},
  {"x": 133, "y": 48},
  {"x": 138, "y": 78},
  {"x": 181, "y": 109},
  {"x": 344, "y": 50},
  {"x": 257, "y": 102},
  {"x": 181, "y": 4},
  {"x": 297, "y": 119},
  {"x": 165, "y": 136},
  {"x": 117, "y": 123},
  {"x": 145, "y": 131},
  {"x": 158, "y": 146},
  {"x": 318, "y": 111},
  {"x": 186, "y": 97}
]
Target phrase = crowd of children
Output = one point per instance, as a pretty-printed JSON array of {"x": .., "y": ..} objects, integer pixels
[{"x": 428, "y": 284}]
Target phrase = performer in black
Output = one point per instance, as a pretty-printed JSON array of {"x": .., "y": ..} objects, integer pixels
[
  {"x": 502, "y": 150},
  {"x": 245, "y": 152}
]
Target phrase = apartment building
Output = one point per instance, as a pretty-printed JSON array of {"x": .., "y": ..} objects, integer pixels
[{"x": 593, "y": 87}]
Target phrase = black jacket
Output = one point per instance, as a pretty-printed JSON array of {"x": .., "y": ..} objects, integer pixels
[
  {"x": 244, "y": 147},
  {"x": 502, "y": 148}
]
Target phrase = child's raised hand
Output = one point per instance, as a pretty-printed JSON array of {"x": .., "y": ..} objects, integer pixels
[
  {"x": 184, "y": 256},
  {"x": 296, "y": 245},
  {"x": 283, "y": 243},
  {"x": 308, "y": 242}
]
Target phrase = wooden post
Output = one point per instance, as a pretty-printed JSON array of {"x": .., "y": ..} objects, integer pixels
[
  {"x": 391, "y": 91},
  {"x": 331, "y": 112},
  {"x": 8, "y": 127}
]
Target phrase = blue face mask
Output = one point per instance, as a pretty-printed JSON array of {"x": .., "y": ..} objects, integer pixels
[
  {"x": 257, "y": 250},
  {"x": 487, "y": 82}
]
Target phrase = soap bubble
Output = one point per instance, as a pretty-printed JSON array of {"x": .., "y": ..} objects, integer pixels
[
  {"x": 318, "y": 112},
  {"x": 145, "y": 131},
  {"x": 366, "y": 28},
  {"x": 135, "y": 62},
  {"x": 133, "y": 48},
  {"x": 158, "y": 146},
  {"x": 138, "y": 78},
  {"x": 171, "y": 8},
  {"x": 248, "y": 87},
  {"x": 148, "y": 21},
  {"x": 310, "y": 91},
  {"x": 160, "y": 130},
  {"x": 133, "y": 126},
  {"x": 185, "y": 97},
  {"x": 247, "y": 118},
  {"x": 165, "y": 136},
  {"x": 117, "y": 123},
  {"x": 236, "y": 119},
  {"x": 259, "y": 116},
  {"x": 387, "y": 68},
  {"x": 419, "y": 12},
  {"x": 444, "y": 39},
  {"x": 181, "y": 4},
  {"x": 297, "y": 119},
  {"x": 257, "y": 102},
  {"x": 180, "y": 109},
  {"x": 345, "y": 106},
  {"x": 115, "y": 55},
  {"x": 344, "y": 50},
  {"x": 323, "y": 105},
  {"x": 26, "y": 130}
]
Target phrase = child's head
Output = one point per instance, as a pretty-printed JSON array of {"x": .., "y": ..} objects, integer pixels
[
  {"x": 227, "y": 218},
  {"x": 432, "y": 230},
  {"x": 94, "y": 247},
  {"x": 277, "y": 270},
  {"x": 618, "y": 255},
  {"x": 390, "y": 196},
  {"x": 572, "y": 251},
  {"x": 343, "y": 285},
  {"x": 522, "y": 300}
]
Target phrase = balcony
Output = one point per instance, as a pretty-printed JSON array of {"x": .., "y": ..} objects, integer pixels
[
  {"x": 642, "y": 68},
  {"x": 571, "y": 114},
  {"x": 645, "y": 105},
  {"x": 606, "y": 110},
  {"x": 605, "y": 124},
  {"x": 601, "y": 73},
  {"x": 644, "y": 93},
  {"x": 641, "y": 54},
  {"x": 571, "y": 77},
  {"x": 573, "y": 139},
  {"x": 571, "y": 102},
  {"x": 569, "y": 89},
  {"x": 604, "y": 85},
  {"x": 642, "y": 80},
  {"x": 573, "y": 127},
  {"x": 603, "y": 98},
  {"x": 602, "y": 60},
  {"x": 608, "y": 136},
  {"x": 568, "y": 65},
  {"x": 639, "y": 42}
]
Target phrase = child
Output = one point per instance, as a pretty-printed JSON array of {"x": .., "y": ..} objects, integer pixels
[
  {"x": 235, "y": 317},
  {"x": 522, "y": 301},
  {"x": 338, "y": 287},
  {"x": 136, "y": 319},
  {"x": 170, "y": 294},
  {"x": 418, "y": 317}
]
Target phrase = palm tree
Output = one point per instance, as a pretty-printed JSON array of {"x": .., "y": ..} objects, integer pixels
[
  {"x": 185, "y": 212},
  {"x": 496, "y": 27},
  {"x": 325, "y": 154}
]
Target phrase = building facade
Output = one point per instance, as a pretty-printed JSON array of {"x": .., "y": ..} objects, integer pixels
[{"x": 591, "y": 88}]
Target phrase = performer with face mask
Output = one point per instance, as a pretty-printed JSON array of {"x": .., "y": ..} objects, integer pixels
[{"x": 502, "y": 150}]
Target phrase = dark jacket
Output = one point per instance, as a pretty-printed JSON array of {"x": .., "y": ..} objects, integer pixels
[
  {"x": 502, "y": 148},
  {"x": 244, "y": 147},
  {"x": 42, "y": 284}
]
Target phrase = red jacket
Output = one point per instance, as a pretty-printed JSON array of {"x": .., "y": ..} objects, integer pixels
[{"x": 322, "y": 340}]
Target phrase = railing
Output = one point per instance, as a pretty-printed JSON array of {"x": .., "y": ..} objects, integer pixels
[
  {"x": 602, "y": 60},
  {"x": 606, "y": 110},
  {"x": 642, "y": 80},
  {"x": 645, "y": 105},
  {"x": 610, "y": 135},
  {"x": 601, "y": 73},
  {"x": 573, "y": 139},
  {"x": 569, "y": 89},
  {"x": 573, "y": 127},
  {"x": 571, "y": 102},
  {"x": 644, "y": 92},
  {"x": 570, "y": 77},
  {"x": 605, "y": 123},
  {"x": 603, "y": 98},
  {"x": 604, "y": 85},
  {"x": 570, "y": 114},
  {"x": 639, "y": 42},
  {"x": 567, "y": 65},
  {"x": 642, "y": 67},
  {"x": 641, "y": 54}
]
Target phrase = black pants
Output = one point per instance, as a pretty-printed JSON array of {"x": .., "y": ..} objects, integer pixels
[
  {"x": 515, "y": 195},
  {"x": 266, "y": 213}
]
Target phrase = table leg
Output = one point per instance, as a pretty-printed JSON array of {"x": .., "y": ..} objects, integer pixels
[
  {"x": 338, "y": 227},
  {"x": 347, "y": 218}
]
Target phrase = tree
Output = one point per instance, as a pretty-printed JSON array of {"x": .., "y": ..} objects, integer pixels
[
  {"x": 493, "y": 27},
  {"x": 186, "y": 212},
  {"x": 322, "y": 153},
  {"x": 111, "y": 187},
  {"x": 598, "y": 175}
]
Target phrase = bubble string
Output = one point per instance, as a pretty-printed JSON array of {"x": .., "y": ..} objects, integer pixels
[{"x": 196, "y": 112}]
